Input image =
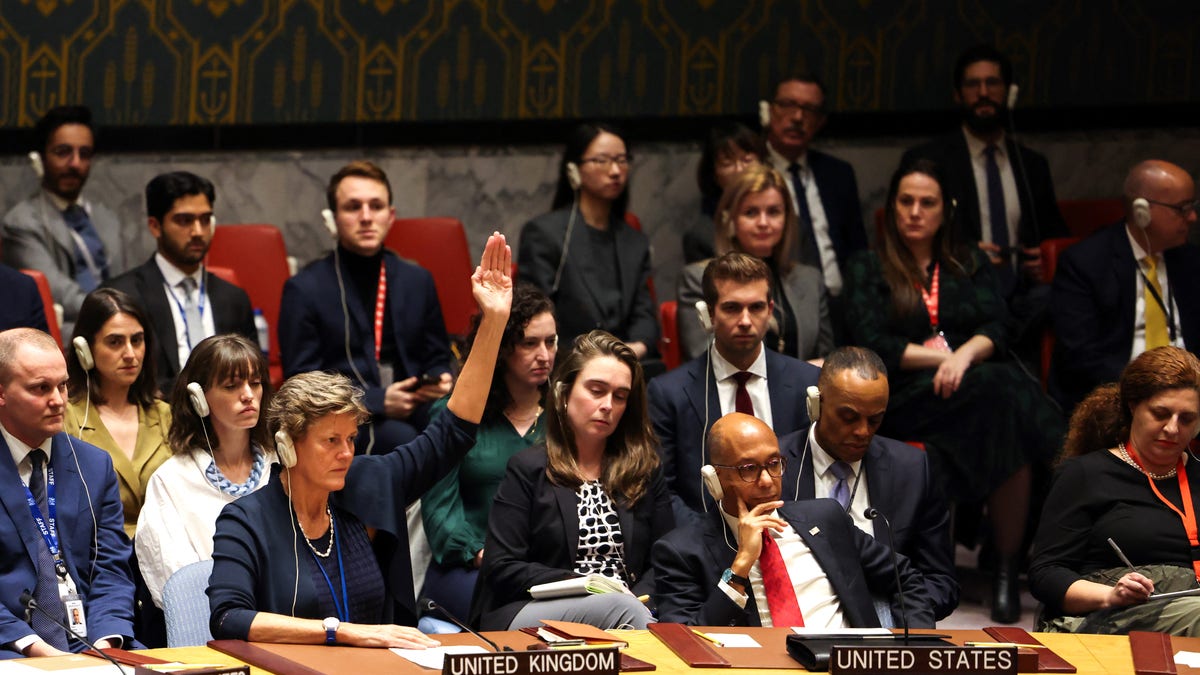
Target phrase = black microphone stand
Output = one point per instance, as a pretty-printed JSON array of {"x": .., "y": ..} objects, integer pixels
[
  {"x": 32, "y": 605},
  {"x": 429, "y": 606},
  {"x": 871, "y": 513}
]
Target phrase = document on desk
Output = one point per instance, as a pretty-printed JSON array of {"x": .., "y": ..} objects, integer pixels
[
  {"x": 842, "y": 632},
  {"x": 87, "y": 666},
  {"x": 432, "y": 658},
  {"x": 733, "y": 639}
]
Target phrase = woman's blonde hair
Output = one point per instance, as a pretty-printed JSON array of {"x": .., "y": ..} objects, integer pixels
[
  {"x": 754, "y": 180},
  {"x": 307, "y": 397},
  {"x": 630, "y": 457}
]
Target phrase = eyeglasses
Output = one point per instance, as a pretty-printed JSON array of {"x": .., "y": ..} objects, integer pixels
[
  {"x": 749, "y": 473},
  {"x": 727, "y": 164},
  {"x": 190, "y": 219},
  {"x": 65, "y": 151},
  {"x": 790, "y": 107},
  {"x": 605, "y": 161},
  {"x": 1182, "y": 208}
]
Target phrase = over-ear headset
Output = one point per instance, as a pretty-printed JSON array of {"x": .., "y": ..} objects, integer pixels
[
  {"x": 1141, "y": 212},
  {"x": 708, "y": 473},
  {"x": 573, "y": 177},
  {"x": 196, "y": 396},
  {"x": 285, "y": 449},
  {"x": 1013, "y": 92},
  {"x": 764, "y": 113},
  {"x": 812, "y": 403},
  {"x": 35, "y": 163},
  {"x": 704, "y": 316},
  {"x": 330, "y": 223},
  {"x": 83, "y": 352}
]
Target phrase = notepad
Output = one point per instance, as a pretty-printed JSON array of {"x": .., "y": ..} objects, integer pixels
[{"x": 582, "y": 585}]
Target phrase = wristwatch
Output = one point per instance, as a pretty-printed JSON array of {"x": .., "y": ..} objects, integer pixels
[
  {"x": 728, "y": 576},
  {"x": 330, "y": 624}
]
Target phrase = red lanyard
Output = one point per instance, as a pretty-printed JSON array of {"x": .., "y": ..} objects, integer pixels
[
  {"x": 380, "y": 301},
  {"x": 1188, "y": 515},
  {"x": 931, "y": 297}
]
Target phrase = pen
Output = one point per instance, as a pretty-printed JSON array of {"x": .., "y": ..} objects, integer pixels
[
  {"x": 1002, "y": 644},
  {"x": 1121, "y": 554},
  {"x": 708, "y": 637}
]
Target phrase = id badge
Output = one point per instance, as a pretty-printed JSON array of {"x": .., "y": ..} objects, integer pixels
[
  {"x": 938, "y": 341},
  {"x": 76, "y": 619},
  {"x": 387, "y": 374}
]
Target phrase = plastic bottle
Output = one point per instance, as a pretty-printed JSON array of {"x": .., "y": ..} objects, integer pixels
[{"x": 264, "y": 333}]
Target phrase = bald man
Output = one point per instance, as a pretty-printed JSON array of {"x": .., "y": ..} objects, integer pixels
[
  {"x": 1105, "y": 314},
  {"x": 756, "y": 561},
  {"x": 70, "y": 550}
]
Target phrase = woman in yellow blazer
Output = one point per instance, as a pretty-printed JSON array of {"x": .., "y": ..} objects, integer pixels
[{"x": 111, "y": 389}]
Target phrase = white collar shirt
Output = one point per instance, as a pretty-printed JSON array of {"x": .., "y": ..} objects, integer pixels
[
  {"x": 824, "y": 481},
  {"x": 757, "y": 386},
  {"x": 816, "y": 209},
  {"x": 1139, "y": 304},
  {"x": 977, "y": 148},
  {"x": 172, "y": 276}
]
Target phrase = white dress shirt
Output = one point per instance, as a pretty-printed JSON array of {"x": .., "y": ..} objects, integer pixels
[
  {"x": 1008, "y": 180},
  {"x": 178, "y": 301},
  {"x": 760, "y": 395},
  {"x": 824, "y": 481},
  {"x": 1139, "y": 303},
  {"x": 816, "y": 209}
]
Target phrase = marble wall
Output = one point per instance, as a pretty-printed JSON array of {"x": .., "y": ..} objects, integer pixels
[{"x": 500, "y": 188}]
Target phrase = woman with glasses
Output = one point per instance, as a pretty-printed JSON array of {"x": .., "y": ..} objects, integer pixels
[
  {"x": 729, "y": 149},
  {"x": 591, "y": 499},
  {"x": 584, "y": 255}
]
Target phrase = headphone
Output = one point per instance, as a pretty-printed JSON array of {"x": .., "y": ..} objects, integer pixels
[
  {"x": 83, "y": 352},
  {"x": 574, "y": 179},
  {"x": 704, "y": 316},
  {"x": 812, "y": 403},
  {"x": 35, "y": 163},
  {"x": 330, "y": 223},
  {"x": 196, "y": 396},
  {"x": 285, "y": 449},
  {"x": 1141, "y": 212},
  {"x": 708, "y": 473},
  {"x": 764, "y": 113}
]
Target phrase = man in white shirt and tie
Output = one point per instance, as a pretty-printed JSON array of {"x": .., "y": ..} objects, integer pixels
[{"x": 186, "y": 303}]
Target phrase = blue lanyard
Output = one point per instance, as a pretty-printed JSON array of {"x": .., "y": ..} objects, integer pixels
[
  {"x": 342, "y": 608},
  {"x": 187, "y": 334},
  {"x": 49, "y": 531}
]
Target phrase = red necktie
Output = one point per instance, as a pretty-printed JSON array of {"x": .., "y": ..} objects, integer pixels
[
  {"x": 742, "y": 402},
  {"x": 781, "y": 595}
]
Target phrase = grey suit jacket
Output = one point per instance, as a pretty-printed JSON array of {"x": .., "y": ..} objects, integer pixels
[
  {"x": 36, "y": 237},
  {"x": 805, "y": 292}
]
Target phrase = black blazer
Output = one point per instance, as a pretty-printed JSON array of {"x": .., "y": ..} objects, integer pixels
[
  {"x": 230, "y": 307},
  {"x": 22, "y": 306},
  {"x": 688, "y": 564},
  {"x": 1093, "y": 298},
  {"x": 677, "y": 410},
  {"x": 951, "y": 153},
  {"x": 537, "y": 262},
  {"x": 533, "y": 535},
  {"x": 900, "y": 487}
]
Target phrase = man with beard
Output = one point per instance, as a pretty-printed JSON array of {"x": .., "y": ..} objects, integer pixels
[
  {"x": 1002, "y": 189},
  {"x": 74, "y": 242},
  {"x": 186, "y": 303}
]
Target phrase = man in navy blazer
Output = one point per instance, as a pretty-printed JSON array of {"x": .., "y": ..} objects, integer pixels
[
  {"x": 708, "y": 572},
  {"x": 389, "y": 307},
  {"x": 684, "y": 402},
  {"x": 888, "y": 475},
  {"x": 22, "y": 306},
  {"x": 179, "y": 210},
  {"x": 1099, "y": 295},
  {"x": 33, "y": 377}
]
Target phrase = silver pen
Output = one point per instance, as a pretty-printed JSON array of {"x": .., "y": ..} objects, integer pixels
[{"x": 1121, "y": 554}]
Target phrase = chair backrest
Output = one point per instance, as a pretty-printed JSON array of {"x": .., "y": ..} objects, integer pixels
[
  {"x": 258, "y": 255},
  {"x": 225, "y": 274},
  {"x": 439, "y": 244},
  {"x": 185, "y": 605},
  {"x": 668, "y": 344},
  {"x": 1051, "y": 249},
  {"x": 43, "y": 287},
  {"x": 1085, "y": 216}
]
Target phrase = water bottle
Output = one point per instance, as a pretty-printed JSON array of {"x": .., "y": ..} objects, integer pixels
[{"x": 264, "y": 334}]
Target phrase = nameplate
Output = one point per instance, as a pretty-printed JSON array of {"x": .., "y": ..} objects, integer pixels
[
  {"x": 590, "y": 661},
  {"x": 874, "y": 660}
]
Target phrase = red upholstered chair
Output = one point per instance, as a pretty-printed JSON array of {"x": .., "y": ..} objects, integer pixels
[
  {"x": 1051, "y": 249},
  {"x": 1085, "y": 216},
  {"x": 225, "y": 274},
  {"x": 668, "y": 344},
  {"x": 43, "y": 287},
  {"x": 439, "y": 244},
  {"x": 257, "y": 256}
]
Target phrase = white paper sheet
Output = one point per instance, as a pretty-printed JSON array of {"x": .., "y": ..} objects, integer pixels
[{"x": 433, "y": 657}]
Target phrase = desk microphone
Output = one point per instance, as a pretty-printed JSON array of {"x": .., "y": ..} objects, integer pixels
[
  {"x": 32, "y": 605},
  {"x": 871, "y": 513},
  {"x": 427, "y": 605}
]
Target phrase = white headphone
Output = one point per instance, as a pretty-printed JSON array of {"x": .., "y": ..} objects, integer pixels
[
  {"x": 704, "y": 316},
  {"x": 812, "y": 403},
  {"x": 285, "y": 449},
  {"x": 574, "y": 179},
  {"x": 1141, "y": 212},
  {"x": 83, "y": 352},
  {"x": 330, "y": 223},
  {"x": 708, "y": 473},
  {"x": 764, "y": 113},
  {"x": 35, "y": 163},
  {"x": 199, "y": 403}
]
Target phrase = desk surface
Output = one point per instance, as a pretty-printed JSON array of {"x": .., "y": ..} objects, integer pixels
[{"x": 1090, "y": 654}]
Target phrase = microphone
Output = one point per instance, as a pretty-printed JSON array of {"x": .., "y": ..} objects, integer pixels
[
  {"x": 427, "y": 605},
  {"x": 32, "y": 605},
  {"x": 871, "y": 513}
]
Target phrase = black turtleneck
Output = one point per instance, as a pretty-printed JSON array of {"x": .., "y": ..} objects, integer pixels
[{"x": 362, "y": 281}]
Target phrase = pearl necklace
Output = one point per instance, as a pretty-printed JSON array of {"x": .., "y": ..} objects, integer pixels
[
  {"x": 1129, "y": 460},
  {"x": 332, "y": 534}
]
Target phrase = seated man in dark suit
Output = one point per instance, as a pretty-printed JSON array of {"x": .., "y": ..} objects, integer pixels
[
  {"x": 365, "y": 313},
  {"x": 186, "y": 303},
  {"x": 22, "y": 306},
  {"x": 1130, "y": 287},
  {"x": 1003, "y": 190},
  {"x": 760, "y": 561},
  {"x": 861, "y": 470},
  {"x": 736, "y": 373},
  {"x": 69, "y": 551}
]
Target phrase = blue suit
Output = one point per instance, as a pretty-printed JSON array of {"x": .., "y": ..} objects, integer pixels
[
  {"x": 678, "y": 413},
  {"x": 899, "y": 485},
  {"x": 101, "y": 572},
  {"x": 312, "y": 335},
  {"x": 22, "y": 306}
]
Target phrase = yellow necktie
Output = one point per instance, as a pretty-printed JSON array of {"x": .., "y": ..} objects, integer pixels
[{"x": 1156, "y": 320}]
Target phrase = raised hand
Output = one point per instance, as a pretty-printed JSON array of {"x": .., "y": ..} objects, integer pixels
[{"x": 491, "y": 284}]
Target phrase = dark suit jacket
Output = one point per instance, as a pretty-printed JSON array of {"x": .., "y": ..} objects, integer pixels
[
  {"x": 839, "y": 197},
  {"x": 898, "y": 482},
  {"x": 537, "y": 262},
  {"x": 229, "y": 304},
  {"x": 688, "y": 564},
  {"x": 951, "y": 153},
  {"x": 677, "y": 411},
  {"x": 1094, "y": 298},
  {"x": 22, "y": 306},
  {"x": 533, "y": 535},
  {"x": 100, "y": 569},
  {"x": 311, "y": 325}
]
